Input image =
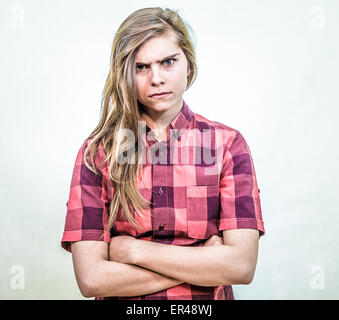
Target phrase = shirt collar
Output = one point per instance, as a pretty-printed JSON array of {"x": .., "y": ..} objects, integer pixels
[
  {"x": 180, "y": 122},
  {"x": 183, "y": 118}
]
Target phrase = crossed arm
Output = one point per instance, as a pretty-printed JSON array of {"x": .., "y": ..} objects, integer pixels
[{"x": 132, "y": 267}]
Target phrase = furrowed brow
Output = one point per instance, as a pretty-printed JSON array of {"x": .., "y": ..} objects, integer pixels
[{"x": 163, "y": 59}]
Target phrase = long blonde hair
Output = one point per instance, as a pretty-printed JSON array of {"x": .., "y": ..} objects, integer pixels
[{"x": 120, "y": 109}]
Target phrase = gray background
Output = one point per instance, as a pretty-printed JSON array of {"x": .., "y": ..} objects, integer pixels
[{"x": 267, "y": 68}]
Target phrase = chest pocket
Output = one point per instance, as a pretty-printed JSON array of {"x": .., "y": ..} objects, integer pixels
[{"x": 203, "y": 207}]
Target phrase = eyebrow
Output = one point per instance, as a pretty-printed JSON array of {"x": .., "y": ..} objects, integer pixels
[{"x": 163, "y": 59}]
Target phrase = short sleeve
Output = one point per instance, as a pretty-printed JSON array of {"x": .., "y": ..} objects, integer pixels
[
  {"x": 239, "y": 194},
  {"x": 86, "y": 216}
]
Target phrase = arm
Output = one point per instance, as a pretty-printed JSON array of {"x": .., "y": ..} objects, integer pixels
[
  {"x": 98, "y": 277},
  {"x": 233, "y": 262}
]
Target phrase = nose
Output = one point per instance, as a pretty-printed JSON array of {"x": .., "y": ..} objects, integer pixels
[{"x": 156, "y": 77}]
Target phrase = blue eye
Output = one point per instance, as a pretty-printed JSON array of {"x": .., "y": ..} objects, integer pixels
[{"x": 169, "y": 60}]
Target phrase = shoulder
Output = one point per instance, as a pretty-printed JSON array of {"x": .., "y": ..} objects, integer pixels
[
  {"x": 226, "y": 132},
  {"x": 99, "y": 154},
  {"x": 202, "y": 121}
]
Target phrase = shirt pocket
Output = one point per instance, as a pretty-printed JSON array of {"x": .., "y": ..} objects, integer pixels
[{"x": 203, "y": 207}]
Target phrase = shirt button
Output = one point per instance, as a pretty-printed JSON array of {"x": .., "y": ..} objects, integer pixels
[
  {"x": 161, "y": 191},
  {"x": 161, "y": 227}
]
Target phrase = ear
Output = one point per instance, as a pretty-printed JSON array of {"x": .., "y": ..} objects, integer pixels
[{"x": 188, "y": 70}]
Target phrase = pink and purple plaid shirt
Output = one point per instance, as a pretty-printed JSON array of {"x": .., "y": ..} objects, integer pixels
[{"x": 200, "y": 182}]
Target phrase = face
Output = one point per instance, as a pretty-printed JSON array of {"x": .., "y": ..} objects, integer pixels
[{"x": 161, "y": 67}]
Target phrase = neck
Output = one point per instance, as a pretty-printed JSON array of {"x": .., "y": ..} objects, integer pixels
[{"x": 160, "y": 120}]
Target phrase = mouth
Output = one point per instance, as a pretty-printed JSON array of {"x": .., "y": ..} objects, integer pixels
[{"x": 160, "y": 95}]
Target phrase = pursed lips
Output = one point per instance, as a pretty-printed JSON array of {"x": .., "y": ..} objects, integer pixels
[{"x": 159, "y": 94}]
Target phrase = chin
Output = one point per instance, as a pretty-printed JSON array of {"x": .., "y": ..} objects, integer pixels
[
  {"x": 159, "y": 109},
  {"x": 160, "y": 105}
]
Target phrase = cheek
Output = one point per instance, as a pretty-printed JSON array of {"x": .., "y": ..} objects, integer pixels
[
  {"x": 139, "y": 86},
  {"x": 181, "y": 78}
]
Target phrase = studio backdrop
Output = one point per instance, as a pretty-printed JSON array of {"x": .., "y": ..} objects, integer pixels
[{"x": 269, "y": 69}]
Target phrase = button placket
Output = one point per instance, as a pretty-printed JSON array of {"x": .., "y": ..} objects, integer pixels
[
  {"x": 161, "y": 157},
  {"x": 159, "y": 173}
]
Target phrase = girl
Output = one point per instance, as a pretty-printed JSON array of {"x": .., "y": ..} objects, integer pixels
[{"x": 163, "y": 202}]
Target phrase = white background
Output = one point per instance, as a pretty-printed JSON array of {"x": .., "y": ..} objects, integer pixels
[{"x": 267, "y": 68}]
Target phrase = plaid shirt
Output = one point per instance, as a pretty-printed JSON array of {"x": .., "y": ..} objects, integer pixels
[{"x": 199, "y": 185}]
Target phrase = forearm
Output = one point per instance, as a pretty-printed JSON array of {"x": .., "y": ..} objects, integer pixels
[
  {"x": 119, "y": 279},
  {"x": 204, "y": 266}
]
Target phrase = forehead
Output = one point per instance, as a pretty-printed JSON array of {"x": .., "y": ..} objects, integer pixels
[{"x": 157, "y": 48}]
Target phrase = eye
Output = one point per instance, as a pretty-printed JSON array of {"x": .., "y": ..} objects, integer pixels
[
  {"x": 169, "y": 64},
  {"x": 140, "y": 67}
]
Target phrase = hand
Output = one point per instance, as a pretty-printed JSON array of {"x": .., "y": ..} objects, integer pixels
[
  {"x": 120, "y": 249},
  {"x": 214, "y": 241}
]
